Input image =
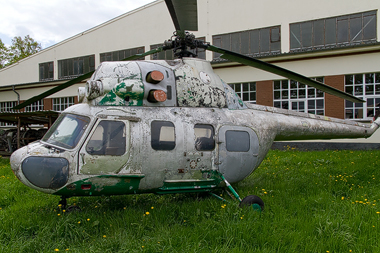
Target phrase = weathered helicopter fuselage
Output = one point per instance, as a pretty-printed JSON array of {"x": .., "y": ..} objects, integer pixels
[{"x": 138, "y": 131}]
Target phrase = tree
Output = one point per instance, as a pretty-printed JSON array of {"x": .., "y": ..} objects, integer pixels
[
  {"x": 19, "y": 49},
  {"x": 3, "y": 54}
]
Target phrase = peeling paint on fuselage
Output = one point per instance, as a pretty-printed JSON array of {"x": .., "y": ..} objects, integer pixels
[{"x": 200, "y": 97}]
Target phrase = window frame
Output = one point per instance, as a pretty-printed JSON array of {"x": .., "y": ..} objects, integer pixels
[
  {"x": 120, "y": 55},
  {"x": 290, "y": 95},
  {"x": 60, "y": 104},
  {"x": 261, "y": 41},
  {"x": 246, "y": 91},
  {"x": 202, "y": 141},
  {"x": 73, "y": 67},
  {"x": 155, "y": 142},
  {"x": 117, "y": 144},
  {"x": 333, "y": 31},
  {"x": 363, "y": 87}
]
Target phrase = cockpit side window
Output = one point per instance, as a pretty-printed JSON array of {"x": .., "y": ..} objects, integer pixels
[
  {"x": 163, "y": 135},
  {"x": 109, "y": 138},
  {"x": 204, "y": 137}
]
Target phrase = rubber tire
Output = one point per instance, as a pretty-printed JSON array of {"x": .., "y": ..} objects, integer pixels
[
  {"x": 73, "y": 209},
  {"x": 250, "y": 200}
]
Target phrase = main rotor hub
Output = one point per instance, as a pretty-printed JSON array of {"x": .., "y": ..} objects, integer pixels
[{"x": 181, "y": 42}]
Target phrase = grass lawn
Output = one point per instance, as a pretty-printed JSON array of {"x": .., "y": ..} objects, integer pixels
[{"x": 321, "y": 201}]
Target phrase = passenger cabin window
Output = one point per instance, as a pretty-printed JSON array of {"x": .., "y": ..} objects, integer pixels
[
  {"x": 204, "y": 137},
  {"x": 109, "y": 138},
  {"x": 237, "y": 141},
  {"x": 163, "y": 135}
]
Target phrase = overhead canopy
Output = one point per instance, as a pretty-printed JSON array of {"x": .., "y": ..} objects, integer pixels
[{"x": 38, "y": 117}]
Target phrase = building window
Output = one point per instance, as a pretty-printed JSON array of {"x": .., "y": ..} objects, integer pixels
[
  {"x": 204, "y": 137},
  {"x": 246, "y": 91},
  {"x": 169, "y": 55},
  {"x": 292, "y": 95},
  {"x": 335, "y": 31},
  {"x": 366, "y": 87},
  {"x": 73, "y": 67},
  {"x": 60, "y": 104},
  {"x": 36, "y": 106},
  {"x": 46, "y": 71},
  {"x": 252, "y": 42},
  {"x": 121, "y": 54},
  {"x": 163, "y": 135},
  {"x": 7, "y": 107}
]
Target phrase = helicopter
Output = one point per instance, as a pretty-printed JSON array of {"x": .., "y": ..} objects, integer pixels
[{"x": 167, "y": 126}]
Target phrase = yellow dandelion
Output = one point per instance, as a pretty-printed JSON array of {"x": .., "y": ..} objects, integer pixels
[
  {"x": 342, "y": 198},
  {"x": 152, "y": 207},
  {"x": 377, "y": 212},
  {"x": 147, "y": 213},
  {"x": 88, "y": 219},
  {"x": 78, "y": 222},
  {"x": 56, "y": 250},
  {"x": 59, "y": 214},
  {"x": 104, "y": 236},
  {"x": 143, "y": 246}
]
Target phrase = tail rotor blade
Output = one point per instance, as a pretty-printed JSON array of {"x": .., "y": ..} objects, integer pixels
[{"x": 249, "y": 61}]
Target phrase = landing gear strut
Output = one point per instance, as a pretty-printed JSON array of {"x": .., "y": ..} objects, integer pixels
[
  {"x": 63, "y": 202},
  {"x": 252, "y": 200}
]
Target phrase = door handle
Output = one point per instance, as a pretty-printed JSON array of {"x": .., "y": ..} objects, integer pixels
[{"x": 82, "y": 157}]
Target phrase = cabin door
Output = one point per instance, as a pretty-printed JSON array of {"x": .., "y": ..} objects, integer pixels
[
  {"x": 106, "y": 149},
  {"x": 238, "y": 151}
]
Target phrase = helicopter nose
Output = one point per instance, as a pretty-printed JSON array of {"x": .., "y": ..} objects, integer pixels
[
  {"x": 43, "y": 172},
  {"x": 16, "y": 159}
]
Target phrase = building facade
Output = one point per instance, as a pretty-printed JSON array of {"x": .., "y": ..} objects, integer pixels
[{"x": 334, "y": 42}]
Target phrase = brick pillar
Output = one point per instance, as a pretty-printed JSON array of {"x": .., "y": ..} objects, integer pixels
[
  {"x": 334, "y": 106},
  {"x": 264, "y": 93},
  {"x": 48, "y": 104},
  {"x": 22, "y": 109}
]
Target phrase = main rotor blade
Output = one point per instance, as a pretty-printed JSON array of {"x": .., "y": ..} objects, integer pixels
[
  {"x": 249, "y": 61},
  {"x": 184, "y": 14},
  {"x": 78, "y": 79},
  {"x": 54, "y": 90},
  {"x": 138, "y": 56}
]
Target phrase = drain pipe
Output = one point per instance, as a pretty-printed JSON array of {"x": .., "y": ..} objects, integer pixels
[{"x": 18, "y": 95}]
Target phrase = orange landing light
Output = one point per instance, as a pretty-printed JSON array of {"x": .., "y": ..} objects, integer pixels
[
  {"x": 154, "y": 77},
  {"x": 159, "y": 95}
]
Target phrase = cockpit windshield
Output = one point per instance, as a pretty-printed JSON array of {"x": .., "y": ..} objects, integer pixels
[{"x": 67, "y": 130}]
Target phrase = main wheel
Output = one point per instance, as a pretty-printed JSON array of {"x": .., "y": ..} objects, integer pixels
[{"x": 254, "y": 201}]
